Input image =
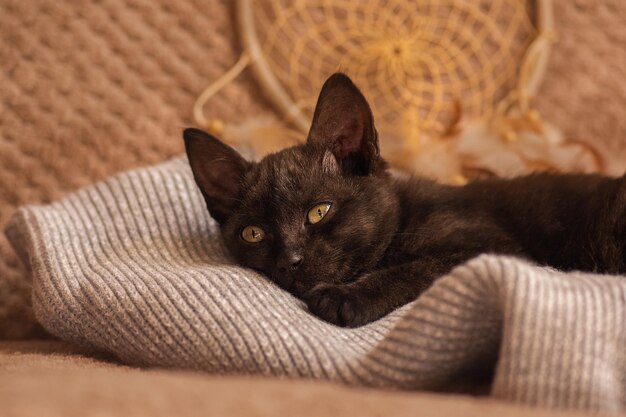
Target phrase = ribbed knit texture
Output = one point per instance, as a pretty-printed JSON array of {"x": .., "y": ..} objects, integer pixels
[{"x": 135, "y": 266}]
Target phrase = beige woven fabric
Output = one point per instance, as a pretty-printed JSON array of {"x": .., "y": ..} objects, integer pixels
[
  {"x": 135, "y": 266},
  {"x": 584, "y": 91},
  {"x": 91, "y": 88},
  {"x": 88, "y": 89}
]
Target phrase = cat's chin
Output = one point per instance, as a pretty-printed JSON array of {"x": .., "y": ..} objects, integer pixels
[
  {"x": 294, "y": 286},
  {"x": 290, "y": 284},
  {"x": 301, "y": 282},
  {"x": 350, "y": 279},
  {"x": 286, "y": 283}
]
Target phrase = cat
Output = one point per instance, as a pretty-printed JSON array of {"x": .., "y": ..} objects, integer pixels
[{"x": 327, "y": 222}]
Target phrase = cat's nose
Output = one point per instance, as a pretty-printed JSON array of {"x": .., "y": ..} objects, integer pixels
[{"x": 290, "y": 262}]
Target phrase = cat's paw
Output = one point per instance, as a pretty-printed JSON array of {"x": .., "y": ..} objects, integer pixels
[{"x": 338, "y": 304}]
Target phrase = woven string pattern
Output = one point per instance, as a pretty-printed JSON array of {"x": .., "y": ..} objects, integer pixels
[{"x": 413, "y": 59}]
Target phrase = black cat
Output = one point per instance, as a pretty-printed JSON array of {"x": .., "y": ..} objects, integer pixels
[{"x": 326, "y": 222}]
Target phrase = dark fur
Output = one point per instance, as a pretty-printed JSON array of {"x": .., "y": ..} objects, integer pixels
[{"x": 384, "y": 241}]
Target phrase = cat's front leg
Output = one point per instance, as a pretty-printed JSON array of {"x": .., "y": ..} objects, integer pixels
[
  {"x": 374, "y": 294},
  {"x": 380, "y": 292},
  {"x": 345, "y": 305}
]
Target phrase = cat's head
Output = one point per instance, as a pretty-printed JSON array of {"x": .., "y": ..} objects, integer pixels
[{"x": 324, "y": 211}]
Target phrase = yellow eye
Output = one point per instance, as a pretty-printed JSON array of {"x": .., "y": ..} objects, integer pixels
[
  {"x": 318, "y": 212},
  {"x": 252, "y": 234}
]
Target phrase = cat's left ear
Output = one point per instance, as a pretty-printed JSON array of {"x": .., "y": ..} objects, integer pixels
[
  {"x": 218, "y": 170},
  {"x": 343, "y": 123}
]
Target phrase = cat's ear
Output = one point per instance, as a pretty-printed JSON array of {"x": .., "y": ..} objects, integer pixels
[
  {"x": 343, "y": 123},
  {"x": 218, "y": 170}
]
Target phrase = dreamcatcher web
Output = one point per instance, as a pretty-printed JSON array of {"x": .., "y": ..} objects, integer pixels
[
  {"x": 425, "y": 66},
  {"x": 417, "y": 61}
]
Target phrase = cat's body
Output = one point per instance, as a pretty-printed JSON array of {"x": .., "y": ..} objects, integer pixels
[
  {"x": 557, "y": 220},
  {"x": 327, "y": 222}
]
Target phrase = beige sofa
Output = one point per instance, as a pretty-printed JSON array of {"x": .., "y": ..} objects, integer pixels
[{"x": 50, "y": 378}]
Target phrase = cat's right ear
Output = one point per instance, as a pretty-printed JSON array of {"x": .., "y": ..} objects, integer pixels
[
  {"x": 218, "y": 170},
  {"x": 344, "y": 125}
]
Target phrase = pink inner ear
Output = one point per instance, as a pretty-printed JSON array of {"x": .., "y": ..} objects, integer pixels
[{"x": 329, "y": 163}]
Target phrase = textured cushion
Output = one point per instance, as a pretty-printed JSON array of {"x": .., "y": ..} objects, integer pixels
[
  {"x": 91, "y": 89},
  {"x": 135, "y": 266},
  {"x": 96, "y": 388}
]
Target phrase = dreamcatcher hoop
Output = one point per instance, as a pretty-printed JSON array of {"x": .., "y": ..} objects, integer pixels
[
  {"x": 532, "y": 68},
  {"x": 277, "y": 55}
]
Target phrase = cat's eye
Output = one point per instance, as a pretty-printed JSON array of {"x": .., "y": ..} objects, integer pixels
[
  {"x": 318, "y": 212},
  {"x": 252, "y": 234}
]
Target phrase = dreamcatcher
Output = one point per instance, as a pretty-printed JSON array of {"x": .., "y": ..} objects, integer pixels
[{"x": 450, "y": 81}]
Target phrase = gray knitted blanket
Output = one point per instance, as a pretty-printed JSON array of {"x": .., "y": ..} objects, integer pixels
[{"x": 135, "y": 266}]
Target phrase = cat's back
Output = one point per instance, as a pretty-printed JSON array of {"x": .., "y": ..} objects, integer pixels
[
  {"x": 549, "y": 215},
  {"x": 419, "y": 195}
]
